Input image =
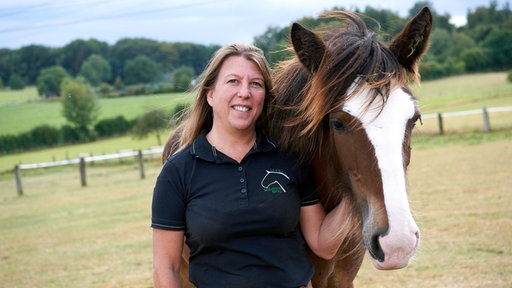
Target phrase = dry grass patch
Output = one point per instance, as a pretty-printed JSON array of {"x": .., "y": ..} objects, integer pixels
[
  {"x": 62, "y": 235},
  {"x": 461, "y": 200}
]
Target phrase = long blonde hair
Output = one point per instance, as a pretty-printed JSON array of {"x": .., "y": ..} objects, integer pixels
[{"x": 199, "y": 116}]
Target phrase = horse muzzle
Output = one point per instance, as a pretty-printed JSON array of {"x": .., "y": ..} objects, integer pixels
[{"x": 395, "y": 249}]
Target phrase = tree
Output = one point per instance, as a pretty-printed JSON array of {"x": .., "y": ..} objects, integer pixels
[
  {"x": 49, "y": 81},
  {"x": 29, "y": 60},
  {"x": 153, "y": 121},
  {"x": 499, "y": 45},
  {"x": 75, "y": 53},
  {"x": 129, "y": 48},
  {"x": 16, "y": 82},
  {"x": 79, "y": 106},
  {"x": 182, "y": 78},
  {"x": 141, "y": 70},
  {"x": 96, "y": 70}
]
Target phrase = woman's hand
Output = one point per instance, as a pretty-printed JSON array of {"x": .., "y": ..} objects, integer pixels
[{"x": 325, "y": 233}]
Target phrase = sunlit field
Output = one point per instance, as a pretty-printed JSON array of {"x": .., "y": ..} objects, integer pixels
[{"x": 59, "y": 234}]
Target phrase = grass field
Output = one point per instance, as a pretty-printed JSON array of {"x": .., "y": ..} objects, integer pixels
[
  {"x": 22, "y": 116},
  {"x": 62, "y": 235},
  {"x": 24, "y": 110}
]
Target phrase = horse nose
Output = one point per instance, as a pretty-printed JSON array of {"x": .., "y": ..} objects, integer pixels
[
  {"x": 375, "y": 249},
  {"x": 395, "y": 249}
]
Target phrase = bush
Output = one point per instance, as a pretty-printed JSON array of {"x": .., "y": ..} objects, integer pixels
[
  {"x": 509, "y": 76},
  {"x": 16, "y": 82},
  {"x": 69, "y": 135},
  {"x": 49, "y": 80},
  {"x": 113, "y": 127},
  {"x": 178, "y": 112},
  {"x": 44, "y": 136},
  {"x": 41, "y": 136}
]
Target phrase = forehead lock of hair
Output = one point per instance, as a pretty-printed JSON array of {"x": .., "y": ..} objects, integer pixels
[{"x": 353, "y": 58}]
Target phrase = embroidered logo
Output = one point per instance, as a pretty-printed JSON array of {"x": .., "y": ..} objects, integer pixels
[{"x": 270, "y": 182}]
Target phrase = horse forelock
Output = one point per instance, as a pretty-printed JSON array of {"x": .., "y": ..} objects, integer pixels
[{"x": 354, "y": 60}]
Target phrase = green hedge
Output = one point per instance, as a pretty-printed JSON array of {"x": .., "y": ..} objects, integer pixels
[{"x": 47, "y": 136}]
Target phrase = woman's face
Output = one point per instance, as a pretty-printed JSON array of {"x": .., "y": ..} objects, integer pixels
[{"x": 238, "y": 95}]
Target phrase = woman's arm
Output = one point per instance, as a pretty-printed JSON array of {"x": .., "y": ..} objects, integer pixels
[
  {"x": 167, "y": 249},
  {"x": 324, "y": 233}
]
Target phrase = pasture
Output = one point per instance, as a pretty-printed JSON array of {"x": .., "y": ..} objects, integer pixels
[
  {"x": 31, "y": 111},
  {"x": 62, "y": 235}
]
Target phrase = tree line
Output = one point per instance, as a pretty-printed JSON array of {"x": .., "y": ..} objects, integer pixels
[
  {"x": 90, "y": 68},
  {"x": 483, "y": 44}
]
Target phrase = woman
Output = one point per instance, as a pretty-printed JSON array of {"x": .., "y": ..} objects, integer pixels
[{"x": 232, "y": 194}]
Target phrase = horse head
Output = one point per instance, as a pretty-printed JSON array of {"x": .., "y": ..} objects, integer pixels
[{"x": 355, "y": 114}]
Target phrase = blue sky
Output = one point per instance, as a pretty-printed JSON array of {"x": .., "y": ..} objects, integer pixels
[{"x": 58, "y": 22}]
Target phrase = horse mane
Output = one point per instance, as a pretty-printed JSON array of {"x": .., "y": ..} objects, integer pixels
[{"x": 353, "y": 60}]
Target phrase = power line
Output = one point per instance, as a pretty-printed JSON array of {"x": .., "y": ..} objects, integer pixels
[{"x": 107, "y": 17}]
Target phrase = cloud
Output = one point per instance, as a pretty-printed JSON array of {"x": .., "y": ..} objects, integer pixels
[{"x": 58, "y": 22}]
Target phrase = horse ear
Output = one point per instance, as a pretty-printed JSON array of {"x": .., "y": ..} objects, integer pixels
[
  {"x": 309, "y": 47},
  {"x": 412, "y": 42}
]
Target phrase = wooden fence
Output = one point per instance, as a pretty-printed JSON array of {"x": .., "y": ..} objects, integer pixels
[
  {"x": 484, "y": 111},
  {"x": 139, "y": 155},
  {"x": 81, "y": 161}
]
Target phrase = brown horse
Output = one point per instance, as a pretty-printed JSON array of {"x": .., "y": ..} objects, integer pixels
[{"x": 342, "y": 103}]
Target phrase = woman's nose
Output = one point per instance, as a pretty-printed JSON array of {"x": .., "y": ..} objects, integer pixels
[{"x": 244, "y": 90}]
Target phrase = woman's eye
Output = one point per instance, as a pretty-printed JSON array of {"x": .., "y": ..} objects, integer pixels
[
  {"x": 257, "y": 84},
  {"x": 233, "y": 81}
]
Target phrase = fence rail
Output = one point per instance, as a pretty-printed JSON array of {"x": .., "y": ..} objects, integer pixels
[
  {"x": 158, "y": 150},
  {"x": 484, "y": 111},
  {"x": 81, "y": 161},
  {"x": 468, "y": 112}
]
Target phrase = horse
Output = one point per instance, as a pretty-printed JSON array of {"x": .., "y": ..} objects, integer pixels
[{"x": 342, "y": 103}]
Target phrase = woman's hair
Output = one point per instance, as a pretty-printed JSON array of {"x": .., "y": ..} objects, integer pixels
[{"x": 199, "y": 116}]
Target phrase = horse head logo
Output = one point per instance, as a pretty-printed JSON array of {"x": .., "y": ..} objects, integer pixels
[{"x": 271, "y": 181}]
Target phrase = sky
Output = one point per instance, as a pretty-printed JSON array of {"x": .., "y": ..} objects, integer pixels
[{"x": 58, "y": 22}]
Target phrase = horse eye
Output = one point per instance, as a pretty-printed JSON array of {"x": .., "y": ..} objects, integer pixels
[{"x": 338, "y": 125}]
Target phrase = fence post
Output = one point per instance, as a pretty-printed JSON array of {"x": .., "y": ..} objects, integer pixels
[
  {"x": 17, "y": 175},
  {"x": 487, "y": 123},
  {"x": 141, "y": 165},
  {"x": 440, "y": 120},
  {"x": 83, "y": 177}
]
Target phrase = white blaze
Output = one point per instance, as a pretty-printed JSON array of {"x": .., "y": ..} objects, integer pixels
[{"x": 386, "y": 131}]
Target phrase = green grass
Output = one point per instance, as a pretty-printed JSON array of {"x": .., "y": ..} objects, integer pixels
[
  {"x": 466, "y": 92},
  {"x": 490, "y": 90},
  {"x": 24, "y": 110},
  {"x": 109, "y": 146},
  {"x": 21, "y": 117},
  {"x": 18, "y": 96}
]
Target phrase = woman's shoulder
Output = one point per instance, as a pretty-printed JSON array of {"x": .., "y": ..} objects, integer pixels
[{"x": 180, "y": 156}]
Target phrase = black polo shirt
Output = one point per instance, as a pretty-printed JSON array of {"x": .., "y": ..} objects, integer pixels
[{"x": 241, "y": 220}]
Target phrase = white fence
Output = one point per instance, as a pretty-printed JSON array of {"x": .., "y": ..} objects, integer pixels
[
  {"x": 484, "y": 111},
  {"x": 138, "y": 155}
]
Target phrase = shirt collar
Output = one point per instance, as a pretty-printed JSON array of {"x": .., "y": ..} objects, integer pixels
[{"x": 201, "y": 148}]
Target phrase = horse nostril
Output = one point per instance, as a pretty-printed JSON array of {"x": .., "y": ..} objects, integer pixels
[{"x": 375, "y": 249}]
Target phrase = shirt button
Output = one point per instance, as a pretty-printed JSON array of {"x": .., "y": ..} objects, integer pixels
[
  {"x": 243, "y": 190},
  {"x": 240, "y": 168},
  {"x": 242, "y": 180}
]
